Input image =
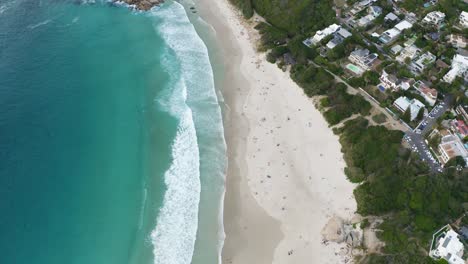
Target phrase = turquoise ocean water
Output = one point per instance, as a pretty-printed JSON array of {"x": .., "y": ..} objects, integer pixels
[{"x": 111, "y": 138}]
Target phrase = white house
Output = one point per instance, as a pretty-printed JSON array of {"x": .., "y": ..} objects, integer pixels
[
  {"x": 408, "y": 52},
  {"x": 375, "y": 11},
  {"x": 448, "y": 247},
  {"x": 459, "y": 68},
  {"x": 389, "y": 81},
  {"x": 391, "y": 34},
  {"x": 321, "y": 34},
  {"x": 451, "y": 147},
  {"x": 390, "y": 17},
  {"x": 403, "y": 25},
  {"x": 464, "y": 19},
  {"x": 434, "y": 18},
  {"x": 457, "y": 41},
  {"x": 403, "y": 103},
  {"x": 422, "y": 62}
]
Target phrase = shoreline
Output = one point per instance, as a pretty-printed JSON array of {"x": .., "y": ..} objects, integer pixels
[{"x": 285, "y": 176}]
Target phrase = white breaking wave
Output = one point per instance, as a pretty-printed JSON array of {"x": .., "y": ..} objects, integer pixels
[
  {"x": 176, "y": 228},
  {"x": 40, "y": 24}
]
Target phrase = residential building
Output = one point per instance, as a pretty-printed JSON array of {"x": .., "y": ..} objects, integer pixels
[
  {"x": 408, "y": 52},
  {"x": 389, "y": 35},
  {"x": 451, "y": 147},
  {"x": 403, "y": 25},
  {"x": 365, "y": 20},
  {"x": 459, "y": 128},
  {"x": 434, "y": 18},
  {"x": 462, "y": 110},
  {"x": 396, "y": 49},
  {"x": 422, "y": 62},
  {"x": 457, "y": 41},
  {"x": 338, "y": 38},
  {"x": 459, "y": 68},
  {"x": 363, "y": 58},
  {"x": 321, "y": 34},
  {"x": 390, "y": 17},
  {"x": 375, "y": 11},
  {"x": 447, "y": 245},
  {"x": 464, "y": 19},
  {"x": 403, "y": 103},
  {"x": 389, "y": 81},
  {"x": 429, "y": 94}
]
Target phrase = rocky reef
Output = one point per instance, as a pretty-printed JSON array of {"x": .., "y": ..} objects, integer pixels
[{"x": 143, "y": 5}]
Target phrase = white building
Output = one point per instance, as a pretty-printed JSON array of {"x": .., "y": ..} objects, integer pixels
[
  {"x": 459, "y": 68},
  {"x": 408, "y": 52},
  {"x": 422, "y": 62},
  {"x": 448, "y": 247},
  {"x": 389, "y": 81},
  {"x": 390, "y": 17},
  {"x": 363, "y": 58},
  {"x": 434, "y": 18},
  {"x": 464, "y": 19},
  {"x": 391, "y": 34},
  {"x": 403, "y": 103},
  {"x": 457, "y": 41},
  {"x": 321, "y": 34},
  {"x": 403, "y": 25},
  {"x": 451, "y": 147}
]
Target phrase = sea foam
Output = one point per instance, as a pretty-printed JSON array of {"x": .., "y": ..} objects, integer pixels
[{"x": 200, "y": 119}]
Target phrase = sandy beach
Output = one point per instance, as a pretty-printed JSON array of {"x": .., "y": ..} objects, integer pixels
[{"x": 285, "y": 175}]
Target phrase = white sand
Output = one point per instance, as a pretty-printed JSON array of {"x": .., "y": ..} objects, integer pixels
[{"x": 285, "y": 176}]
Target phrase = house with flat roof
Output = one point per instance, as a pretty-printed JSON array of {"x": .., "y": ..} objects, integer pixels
[
  {"x": 429, "y": 94},
  {"x": 446, "y": 245},
  {"x": 396, "y": 49},
  {"x": 451, "y": 147},
  {"x": 389, "y": 35},
  {"x": 422, "y": 62},
  {"x": 338, "y": 38},
  {"x": 462, "y": 110},
  {"x": 390, "y": 17},
  {"x": 408, "y": 52},
  {"x": 321, "y": 34},
  {"x": 403, "y": 25},
  {"x": 435, "y": 18},
  {"x": 459, "y": 67},
  {"x": 403, "y": 103},
  {"x": 457, "y": 41},
  {"x": 464, "y": 19},
  {"x": 363, "y": 58}
]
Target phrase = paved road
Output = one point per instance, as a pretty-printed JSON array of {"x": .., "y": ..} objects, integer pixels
[{"x": 416, "y": 138}]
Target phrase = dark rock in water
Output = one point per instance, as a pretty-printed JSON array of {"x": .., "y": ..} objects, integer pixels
[
  {"x": 192, "y": 8},
  {"x": 144, "y": 4}
]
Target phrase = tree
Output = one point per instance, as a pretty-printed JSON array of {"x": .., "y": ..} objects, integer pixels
[
  {"x": 407, "y": 115},
  {"x": 457, "y": 161},
  {"x": 420, "y": 114}
]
